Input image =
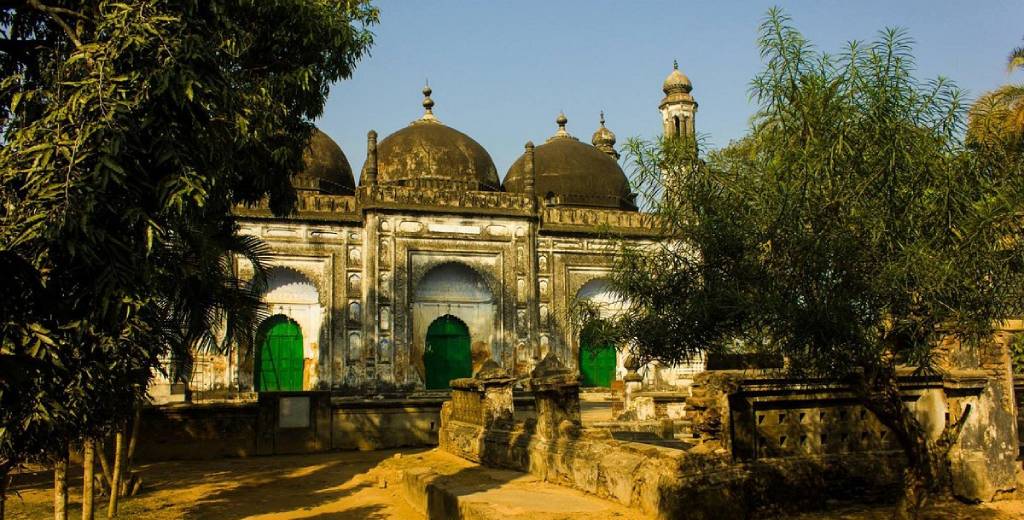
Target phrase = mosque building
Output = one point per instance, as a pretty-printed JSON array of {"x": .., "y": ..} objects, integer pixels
[{"x": 432, "y": 265}]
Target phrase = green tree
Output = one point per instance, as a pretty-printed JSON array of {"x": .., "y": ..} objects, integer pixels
[
  {"x": 998, "y": 116},
  {"x": 848, "y": 233},
  {"x": 124, "y": 123}
]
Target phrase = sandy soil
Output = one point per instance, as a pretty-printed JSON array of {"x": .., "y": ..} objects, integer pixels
[{"x": 327, "y": 486}]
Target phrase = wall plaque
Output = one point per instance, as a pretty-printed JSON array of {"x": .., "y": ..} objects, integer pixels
[{"x": 293, "y": 412}]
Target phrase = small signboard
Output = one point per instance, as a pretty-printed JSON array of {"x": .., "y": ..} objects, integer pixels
[{"x": 293, "y": 412}]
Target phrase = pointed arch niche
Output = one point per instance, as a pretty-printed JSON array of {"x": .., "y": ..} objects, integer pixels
[
  {"x": 457, "y": 290},
  {"x": 294, "y": 295}
]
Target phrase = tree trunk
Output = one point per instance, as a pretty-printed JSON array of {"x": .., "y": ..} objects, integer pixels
[
  {"x": 88, "y": 474},
  {"x": 104, "y": 465},
  {"x": 127, "y": 473},
  {"x": 926, "y": 473},
  {"x": 60, "y": 488},
  {"x": 115, "y": 481},
  {"x": 5, "y": 478}
]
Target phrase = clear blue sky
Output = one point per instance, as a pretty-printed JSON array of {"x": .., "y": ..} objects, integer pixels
[{"x": 502, "y": 70}]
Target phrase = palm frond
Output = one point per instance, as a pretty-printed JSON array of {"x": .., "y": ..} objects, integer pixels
[{"x": 1015, "y": 60}]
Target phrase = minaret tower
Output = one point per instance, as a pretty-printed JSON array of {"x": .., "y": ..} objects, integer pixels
[{"x": 677, "y": 107}]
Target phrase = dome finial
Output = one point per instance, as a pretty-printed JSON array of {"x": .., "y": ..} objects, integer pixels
[
  {"x": 675, "y": 64},
  {"x": 428, "y": 105},
  {"x": 604, "y": 140},
  {"x": 562, "y": 133}
]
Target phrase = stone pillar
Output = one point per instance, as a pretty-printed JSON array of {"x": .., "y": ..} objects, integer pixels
[
  {"x": 979, "y": 378},
  {"x": 633, "y": 383},
  {"x": 480, "y": 406},
  {"x": 530, "y": 181},
  {"x": 556, "y": 391},
  {"x": 497, "y": 410},
  {"x": 371, "y": 158}
]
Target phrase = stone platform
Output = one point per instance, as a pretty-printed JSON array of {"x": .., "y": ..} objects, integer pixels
[{"x": 441, "y": 486}]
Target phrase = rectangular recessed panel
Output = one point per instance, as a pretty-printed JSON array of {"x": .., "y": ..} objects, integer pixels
[{"x": 293, "y": 412}]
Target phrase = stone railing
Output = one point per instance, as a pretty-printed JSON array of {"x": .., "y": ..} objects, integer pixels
[
  {"x": 565, "y": 218},
  {"x": 479, "y": 201},
  {"x": 309, "y": 204},
  {"x": 762, "y": 416}
]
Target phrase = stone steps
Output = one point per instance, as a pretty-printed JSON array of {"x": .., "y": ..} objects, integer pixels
[{"x": 442, "y": 486}]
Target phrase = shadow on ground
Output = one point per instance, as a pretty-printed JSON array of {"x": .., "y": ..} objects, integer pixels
[{"x": 322, "y": 486}]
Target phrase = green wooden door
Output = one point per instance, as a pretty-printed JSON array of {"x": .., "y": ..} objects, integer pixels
[
  {"x": 597, "y": 366},
  {"x": 280, "y": 362},
  {"x": 447, "y": 354}
]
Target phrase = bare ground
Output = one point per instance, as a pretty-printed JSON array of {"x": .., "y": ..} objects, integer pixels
[
  {"x": 324, "y": 486},
  {"x": 335, "y": 486}
]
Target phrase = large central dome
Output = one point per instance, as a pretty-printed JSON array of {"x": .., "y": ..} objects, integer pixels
[{"x": 430, "y": 154}]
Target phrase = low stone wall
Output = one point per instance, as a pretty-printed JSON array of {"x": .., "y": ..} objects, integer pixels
[
  {"x": 377, "y": 425},
  {"x": 207, "y": 431},
  {"x": 765, "y": 442},
  {"x": 758, "y": 415},
  {"x": 287, "y": 422}
]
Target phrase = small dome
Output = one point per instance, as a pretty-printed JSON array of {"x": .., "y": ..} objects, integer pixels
[
  {"x": 604, "y": 139},
  {"x": 327, "y": 169},
  {"x": 676, "y": 81},
  {"x": 430, "y": 154},
  {"x": 572, "y": 173}
]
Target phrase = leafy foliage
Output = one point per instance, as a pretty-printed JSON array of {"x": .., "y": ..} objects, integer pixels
[
  {"x": 851, "y": 228},
  {"x": 849, "y": 232},
  {"x": 998, "y": 116},
  {"x": 130, "y": 130}
]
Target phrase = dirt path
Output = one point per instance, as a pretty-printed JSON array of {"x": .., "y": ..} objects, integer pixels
[{"x": 323, "y": 486}]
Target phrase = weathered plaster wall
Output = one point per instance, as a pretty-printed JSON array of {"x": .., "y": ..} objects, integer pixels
[
  {"x": 365, "y": 255},
  {"x": 984, "y": 462}
]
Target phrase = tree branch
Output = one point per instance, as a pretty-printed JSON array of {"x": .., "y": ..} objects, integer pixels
[{"x": 55, "y": 13}]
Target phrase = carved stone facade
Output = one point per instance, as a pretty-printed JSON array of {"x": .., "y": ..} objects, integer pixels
[
  {"x": 364, "y": 271},
  {"x": 379, "y": 275}
]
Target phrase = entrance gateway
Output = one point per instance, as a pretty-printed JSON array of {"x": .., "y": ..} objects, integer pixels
[
  {"x": 280, "y": 362},
  {"x": 447, "y": 354}
]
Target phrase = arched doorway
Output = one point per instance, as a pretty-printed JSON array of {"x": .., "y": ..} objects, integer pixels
[
  {"x": 458, "y": 292},
  {"x": 279, "y": 365},
  {"x": 597, "y": 363},
  {"x": 447, "y": 354}
]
